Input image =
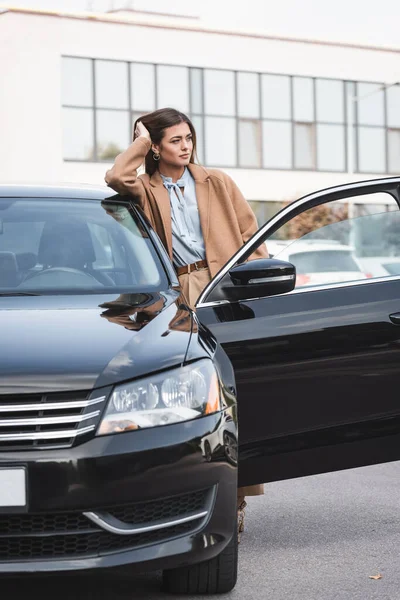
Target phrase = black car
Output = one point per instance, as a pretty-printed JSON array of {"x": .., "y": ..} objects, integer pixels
[{"x": 118, "y": 424}]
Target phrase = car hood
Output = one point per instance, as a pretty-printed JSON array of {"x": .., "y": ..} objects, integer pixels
[{"x": 61, "y": 343}]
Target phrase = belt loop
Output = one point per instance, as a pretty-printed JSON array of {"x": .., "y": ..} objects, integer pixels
[{"x": 188, "y": 269}]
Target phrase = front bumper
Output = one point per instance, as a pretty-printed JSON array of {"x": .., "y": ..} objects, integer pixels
[{"x": 150, "y": 499}]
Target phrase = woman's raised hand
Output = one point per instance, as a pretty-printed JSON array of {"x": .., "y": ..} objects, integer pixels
[{"x": 141, "y": 131}]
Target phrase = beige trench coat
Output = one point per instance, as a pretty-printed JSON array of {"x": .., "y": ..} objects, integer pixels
[{"x": 226, "y": 219}]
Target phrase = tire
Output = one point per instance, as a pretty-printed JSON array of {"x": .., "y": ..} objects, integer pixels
[
  {"x": 230, "y": 448},
  {"x": 207, "y": 451},
  {"x": 215, "y": 576}
]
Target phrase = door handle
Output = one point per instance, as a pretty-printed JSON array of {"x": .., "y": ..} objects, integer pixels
[{"x": 395, "y": 318}]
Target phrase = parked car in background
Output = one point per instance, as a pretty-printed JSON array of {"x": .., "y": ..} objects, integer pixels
[
  {"x": 379, "y": 266},
  {"x": 322, "y": 261},
  {"x": 222, "y": 441}
]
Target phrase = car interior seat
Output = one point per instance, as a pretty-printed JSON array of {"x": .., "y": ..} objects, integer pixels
[
  {"x": 8, "y": 269},
  {"x": 69, "y": 244}
]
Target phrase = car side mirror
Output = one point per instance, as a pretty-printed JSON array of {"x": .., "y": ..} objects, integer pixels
[{"x": 258, "y": 278}]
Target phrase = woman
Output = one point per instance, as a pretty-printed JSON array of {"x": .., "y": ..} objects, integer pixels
[{"x": 200, "y": 214}]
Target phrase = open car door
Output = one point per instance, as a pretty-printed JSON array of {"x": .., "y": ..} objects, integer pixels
[{"x": 316, "y": 360}]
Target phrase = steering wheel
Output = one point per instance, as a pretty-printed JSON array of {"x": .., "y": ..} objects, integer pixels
[{"x": 77, "y": 274}]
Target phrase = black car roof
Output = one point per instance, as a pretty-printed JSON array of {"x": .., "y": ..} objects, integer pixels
[{"x": 79, "y": 190}]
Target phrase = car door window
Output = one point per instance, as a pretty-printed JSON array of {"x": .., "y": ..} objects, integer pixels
[
  {"x": 334, "y": 243},
  {"x": 349, "y": 233}
]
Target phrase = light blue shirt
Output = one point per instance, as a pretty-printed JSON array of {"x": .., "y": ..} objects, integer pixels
[{"x": 187, "y": 237}]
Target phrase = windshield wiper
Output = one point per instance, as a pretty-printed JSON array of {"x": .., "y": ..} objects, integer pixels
[{"x": 19, "y": 294}]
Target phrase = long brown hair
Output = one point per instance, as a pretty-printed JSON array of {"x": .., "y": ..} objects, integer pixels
[{"x": 156, "y": 123}]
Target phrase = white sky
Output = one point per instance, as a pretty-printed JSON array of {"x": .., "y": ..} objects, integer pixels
[{"x": 358, "y": 21}]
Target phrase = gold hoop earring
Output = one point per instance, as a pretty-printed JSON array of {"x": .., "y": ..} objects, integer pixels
[{"x": 156, "y": 156}]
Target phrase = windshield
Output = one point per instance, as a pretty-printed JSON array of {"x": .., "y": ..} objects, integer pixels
[
  {"x": 323, "y": 261},
  {"x": 74, "y": 246}
]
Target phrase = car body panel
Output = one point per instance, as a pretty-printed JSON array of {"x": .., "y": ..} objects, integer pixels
[
  {"x": 316, "y": 369},
  {"x": 298, "y": 371},
  {"x": 83, "y": 346},
  {"x": 120, "y": 471}
]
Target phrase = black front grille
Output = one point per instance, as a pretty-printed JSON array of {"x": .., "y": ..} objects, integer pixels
[
  {"x": 82, "y": 545},
  {"x": 145, "y": 512},
  {"x": 72, "y": 535},
  {"x": 23, "y": 525},
  {"x": 55, "y": 420}
]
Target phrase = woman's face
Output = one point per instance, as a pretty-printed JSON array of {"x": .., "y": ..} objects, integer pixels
[{"x": 176, "y": 146}]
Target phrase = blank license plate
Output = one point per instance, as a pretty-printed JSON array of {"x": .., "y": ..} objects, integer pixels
[{"x": 12, "y": 487}]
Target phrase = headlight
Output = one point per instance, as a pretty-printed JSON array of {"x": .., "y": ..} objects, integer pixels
[{"x": 178, "y": 395}]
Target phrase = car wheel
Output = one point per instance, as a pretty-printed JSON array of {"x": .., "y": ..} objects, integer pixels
[
  {"x": 230, "y": 448},
  {"x": 215, "y": 576},
  {"x": 207, "y": 451}
]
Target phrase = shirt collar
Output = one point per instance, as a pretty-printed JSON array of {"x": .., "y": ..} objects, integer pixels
[{"x": 182, "y": 182}]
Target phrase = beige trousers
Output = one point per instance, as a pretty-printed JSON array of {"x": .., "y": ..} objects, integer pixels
[{"x": 192, "y": 285}]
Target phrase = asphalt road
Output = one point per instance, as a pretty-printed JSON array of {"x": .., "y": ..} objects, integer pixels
[{"x": 316, "y": 538}]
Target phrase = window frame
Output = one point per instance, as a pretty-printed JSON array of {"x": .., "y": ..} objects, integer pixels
[
  {"x": 390, "y": 185},
  {"x": 202, "y": 114}
]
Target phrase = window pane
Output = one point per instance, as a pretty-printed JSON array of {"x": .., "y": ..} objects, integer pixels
[
  {"x": 220, "y": 142},
  {"x": 249, "y": 143},
  {"x": 78, "y": 134},
  {"x": 219, "y": 90},
  {"x": 370, "y": 108},
  {"x": 100, "y": 239},
  {"x": 393, "y": 106},
  {"x": 77, "y": 81},
  {"x": 111, "y": 84},
  {"x": 173, "y": 88},
  {"x": 394, "y": 150},
  {"x": 264, "y": 210},
  {"x": 303, "y": 97},
  {"x": 350, "y": 91},
  {"x": 113, "y": 133},
  {"x": 198, "y": 125},
  {"x": 304, "y": 146},
  {"x": 66, "y": 240},
  {"x": 330, "y": 101},
  {"x": 248, "y": 95},
  {"x": 326, "y": 236},
  {"x": 331, "y": 147},
  {"x": 354, "y": 166},
  {"x": 325, "y": 261},
  {"x": 143, "y": 87},
  {"x": 276, "y": 102},
  {"x": 277, "y": 144},
  {"x": 371, "y": 150},
  {"x": 375, "y": 233},
  {"x": 196, "y": 90},
  {"x": 135, "y": 116}
]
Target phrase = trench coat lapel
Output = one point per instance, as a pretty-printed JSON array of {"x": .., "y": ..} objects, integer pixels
[
  {"x": 201, "y": 178},
  {"x": 162, "y": 200}
]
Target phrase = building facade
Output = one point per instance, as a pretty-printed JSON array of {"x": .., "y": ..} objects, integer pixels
[{"x": 282, "y": 116}]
